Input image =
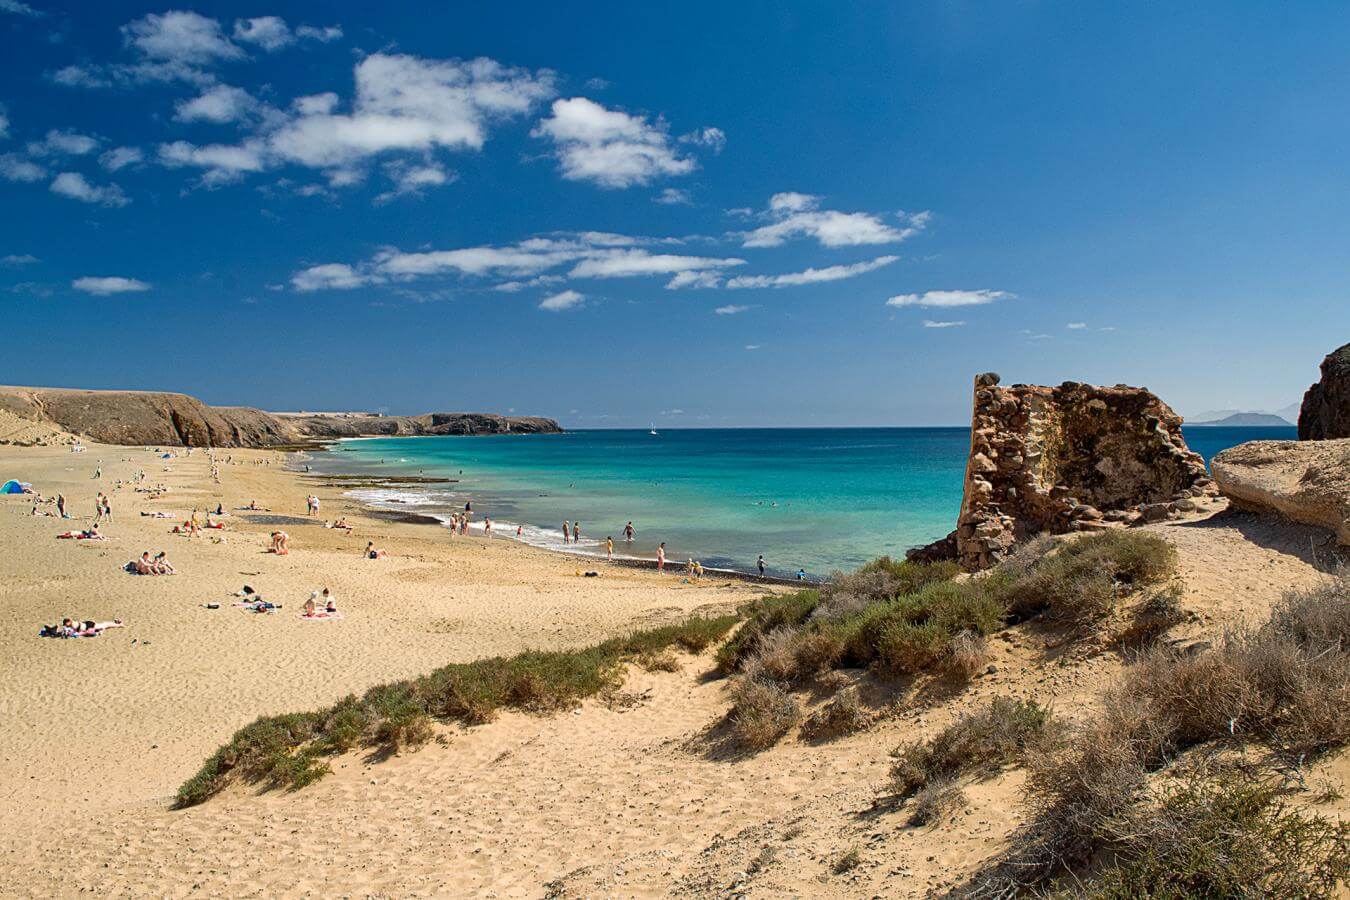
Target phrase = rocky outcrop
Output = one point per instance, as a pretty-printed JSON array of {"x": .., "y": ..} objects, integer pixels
[
  {"x": 1069, "y": 458},
  {"x": 1325, "y": 414},
  {"x": 150, "y": 417},
  {"x": 1307, "y": 481}
]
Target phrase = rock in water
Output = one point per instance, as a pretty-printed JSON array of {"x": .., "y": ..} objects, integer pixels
[
  {"x": 1325, "y": 414},
  {"x": 1066, "y": 458},
  {"x": 1307, "y": 481}
]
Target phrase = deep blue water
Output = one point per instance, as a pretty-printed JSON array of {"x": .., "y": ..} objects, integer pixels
[{"x": 819, "y": 499}]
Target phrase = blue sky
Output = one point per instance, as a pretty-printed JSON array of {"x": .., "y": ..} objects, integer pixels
[{"x": 689, "y": 213}]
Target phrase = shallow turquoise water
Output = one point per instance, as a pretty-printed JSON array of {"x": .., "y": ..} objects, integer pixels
[{"x": 819, "y": 499}]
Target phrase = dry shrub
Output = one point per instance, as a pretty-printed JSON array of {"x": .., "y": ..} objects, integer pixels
[
  {"x": 1001, "y": 732},
  {"x": 1226, "y": 837},
  {"x": 936, "y": 802},
  {"x": 659, "y": 661},
  {"x": 844, "y": 714},
  {"x": 1079, "y": 581},
  {"x": 1286, "y": 684},
  {"x": 1159, "y": 612},
  {"x": 817, "y": 650},
  {"x": 774, "y": 658},
  {"x": 880, "y": 580},
  {"x": 761, "y": 712},
  {"x": 762, "y": 617},
  {"x": 966, "y": 655}
]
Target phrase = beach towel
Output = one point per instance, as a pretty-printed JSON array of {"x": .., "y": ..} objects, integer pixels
[{"x": 321, "y": 615}]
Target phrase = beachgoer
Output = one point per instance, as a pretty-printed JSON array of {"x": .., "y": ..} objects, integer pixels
[
  {"x": 760, "y": 564},
  {"x": 161, "y": 564},
  {"x": 609, "y": 549},
  {"x": 698, "y": 569},
  {"x": 329, "y": 601},
  {"x": 567, "y": 531},
  {"x": 520, "y": 532},
  {"x": 628, "y": 532},
  {"x": 801, "y": 574},
  {"x": 487, "y": 526},
  {"x": 309, "y": 604},
  {"x": 61, "y": 505},
  {"x": 661, "y": 558},
  {"x": 576, "y": 532}
]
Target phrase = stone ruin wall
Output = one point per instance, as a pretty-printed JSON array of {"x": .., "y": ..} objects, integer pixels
[{"x": 1074, "y": 457}]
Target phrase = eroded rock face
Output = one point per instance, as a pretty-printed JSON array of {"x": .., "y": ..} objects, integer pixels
[
  {"x": 153, "y": 417},
  {"x": 1325, "y": 413},
  {"x": 1307, "y": 481},
  {"x": 1074, "y": 457}
]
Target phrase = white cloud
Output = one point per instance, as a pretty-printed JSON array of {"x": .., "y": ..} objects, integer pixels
[
  {"x": 798, "y": 215},
  {"x": 413, "y": 180},
  {"x": 103, "y": 286},
  {"x": 948, "y": 299},
  {"x": 325, "y": 35},
  {"x": 19, "y": 9},
  {"x": 407, "y": 103},
  {"x": 77, "y": 187},
  {"x": 14, "y": 167},
  {"x": 608, "y": 147},
  {"x": 630, "y": 263},
  {"x": 16, "y": 260},
  {"x": 219, "y": 103},
  {"x": 515, "y": 260},
  {"x": 223, "y": 163},
  {"x": 929, "y": 323},
  {"x": 268, "y": 32},
  {"x": 1076, "y": 326},
  {"x": 80, "y": 76},
  {"x": 710, "y": 137},
  {"x": 561, "y": 301},
  {"x": 732, "y": 310},
  {"x": 673, "y": 197},
  {"x": 753, "y": 346},
  {"x": 120, "y": 157},
  {"x": 4, "y": 124},
  {"x": 316, "y": 104},
  {"x": 810, "y": 276},
  {"x": 179, "y": 36},
  {"x": 791, "y": 202},
  {"x": 67, "y": 143},
  {"x": 331, "y": 276},
  {"x": 697, "y": 280}
]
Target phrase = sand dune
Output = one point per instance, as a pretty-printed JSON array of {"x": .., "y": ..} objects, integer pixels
[{"x": 625, "y": 797}]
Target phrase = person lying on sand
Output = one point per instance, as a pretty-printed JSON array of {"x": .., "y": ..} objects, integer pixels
[
  {"x": 73, "y": 628},
  {"x": 89, "y": 534}
]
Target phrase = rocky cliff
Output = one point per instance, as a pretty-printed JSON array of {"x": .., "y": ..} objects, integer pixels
[
  {"x": 1067, "y": 458},
  {"x": 1307, "y": 481},
  {"x": 149, "y": 417},
  {"x": 1325, "y": 413}
]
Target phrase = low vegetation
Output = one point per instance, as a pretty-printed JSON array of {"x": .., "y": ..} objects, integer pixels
[
  {"x": 290, "y": 750},
  {"x": 1001, "y": 732},
  {"x": 842, "y": 714},
  {"x": 1285, "y": 686},
  {"x": 904, "y": 617}
]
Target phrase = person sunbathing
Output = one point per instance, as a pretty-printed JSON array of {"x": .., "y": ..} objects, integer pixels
[
  {"x": 161, "y": 564},
  {"x": 372, "y": 553},
  {"x": 309, "y": 605},
  {"x": 144, "y": 565}
]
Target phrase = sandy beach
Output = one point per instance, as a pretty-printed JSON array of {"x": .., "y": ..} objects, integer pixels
[
  {"x": 123, "y": 718},
  {"x": 625, "y": 796}
]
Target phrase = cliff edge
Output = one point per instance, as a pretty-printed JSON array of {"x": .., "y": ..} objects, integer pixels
[{"x": 154, "y": 417}]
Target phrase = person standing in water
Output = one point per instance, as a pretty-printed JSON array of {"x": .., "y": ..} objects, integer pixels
[
  {"x": 609, "y": 549},
  {"x": 576, "y": 532},
  {"x": 760, "y": 564},
  {"x": 487, "y": 526},
  {"x": 628, "y": 532},
  {"x": 661, "y": 559},
  {"x": 567, "y": 531}
]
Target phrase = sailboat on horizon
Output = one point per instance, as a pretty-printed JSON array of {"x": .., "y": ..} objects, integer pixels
[{"x": 653, "y": 429}]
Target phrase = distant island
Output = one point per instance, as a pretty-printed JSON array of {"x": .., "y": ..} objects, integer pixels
[{"x": 1248, "y": 418}]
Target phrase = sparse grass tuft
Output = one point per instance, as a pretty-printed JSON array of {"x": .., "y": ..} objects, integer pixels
[
  {"x": 967, "y": 655},
  {"x": 1001, "y": 732},
  {"x": 761, "y": 712},
  {"x": 285, "y": 750},
  {"x": 1159, "y": 612},
  {"x": 843, "y": 714},
  {"x": 847, "y": 861},
  {"x": 936, "y": 802}
]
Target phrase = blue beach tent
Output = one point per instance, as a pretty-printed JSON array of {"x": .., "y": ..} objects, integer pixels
[{"x": 12, "y": 487}]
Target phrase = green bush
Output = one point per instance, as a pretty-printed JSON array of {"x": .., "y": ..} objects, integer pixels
[
  {"x": 1001, "y": 732},
  {"x": 286, "y": 749}
]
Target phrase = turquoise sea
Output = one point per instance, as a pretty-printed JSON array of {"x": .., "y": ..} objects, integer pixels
[{"x": 818, "y": 499}]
